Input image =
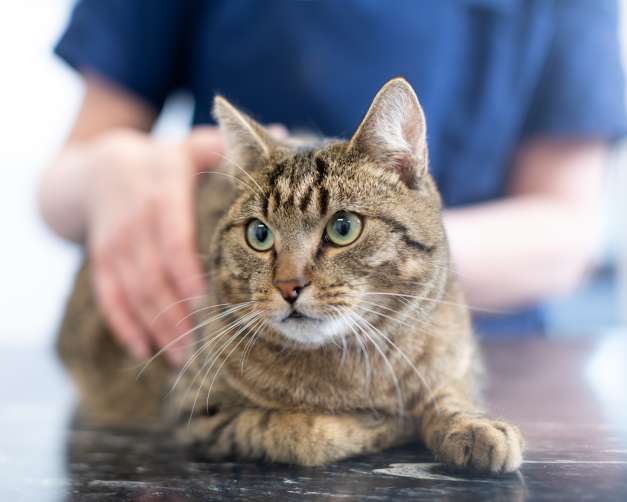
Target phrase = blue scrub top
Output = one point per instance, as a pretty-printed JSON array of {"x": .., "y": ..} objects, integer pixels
[{"x": 491, "y": 74}]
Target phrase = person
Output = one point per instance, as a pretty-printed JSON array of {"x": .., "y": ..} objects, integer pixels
[{"x": 522, "y": 98}]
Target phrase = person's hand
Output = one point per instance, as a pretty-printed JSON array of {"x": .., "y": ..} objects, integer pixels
[{"x": 141, "y": 236}]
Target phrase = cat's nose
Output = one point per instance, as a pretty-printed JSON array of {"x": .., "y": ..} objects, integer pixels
[{"x": 290, "y": 289}]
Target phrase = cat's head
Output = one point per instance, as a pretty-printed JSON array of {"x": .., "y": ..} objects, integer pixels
[{"x": 321, "y": 239}]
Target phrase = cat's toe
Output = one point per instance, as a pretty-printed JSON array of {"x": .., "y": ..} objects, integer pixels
[
  {"x": 203, "y": 429},
  {"x": 482, "y": 445}
]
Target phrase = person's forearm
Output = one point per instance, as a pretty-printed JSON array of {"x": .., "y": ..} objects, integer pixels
[
  {"x": 107, "y": 111},
  {"x": 521, "y": 249}
]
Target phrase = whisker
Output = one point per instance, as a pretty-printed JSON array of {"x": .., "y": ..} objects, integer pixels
[
  {"x": 367, "y": 309},
  {"x": 401, "y": 353},
  {"x": 246, "y": 333},
  {"x": 421, "y": 324},
  {"x": 178, "y": 302},
  {"x": 231, "y": 161},
  {"x": 424, "y": 321},
  {"x": 201, "y": 309},
  {"x": 207, "y": 343},
  {"x": 356, "y": 318},
  {"x": 443, "y": 302},
  {"x": 243, "y": 326},
  {"x": 189, "y": 332},
  {"x": 249, "y": 345},
  {"x": 210, "y": 362},
  {"x": 358, "y": 338},
  {"x": 344, "y": 351},
  {"x": 398, "y": 312}
]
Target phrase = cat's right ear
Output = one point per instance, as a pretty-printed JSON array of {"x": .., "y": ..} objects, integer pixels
[
  {"x": 393, "y": 132},
  {"x": 245, "y": 140}
]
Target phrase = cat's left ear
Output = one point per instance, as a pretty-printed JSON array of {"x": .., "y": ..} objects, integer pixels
[
  {"x": 246, "y": 142},
  {"x": 393, "y": 132}
]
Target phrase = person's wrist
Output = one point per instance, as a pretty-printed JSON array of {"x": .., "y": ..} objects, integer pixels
[{"x": 75, "y": 178}]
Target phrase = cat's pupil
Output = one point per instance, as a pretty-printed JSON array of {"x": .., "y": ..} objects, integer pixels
[
  {"x": 342, "y": 226},
  {"x": 261, "y": 232}
]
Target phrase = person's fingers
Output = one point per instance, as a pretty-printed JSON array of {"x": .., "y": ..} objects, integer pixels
[
  {"x": 170, "y": 322},
  {"x": 115, "y": 310},
  {"x": 205, "y": 144},
  {"x": 205, "y": 147},
  {"x": 153, "y": 299},
  {"x": 176, "y": 231}
]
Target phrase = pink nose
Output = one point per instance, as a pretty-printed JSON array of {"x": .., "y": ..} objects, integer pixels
[{"x": 290, "y": 289}]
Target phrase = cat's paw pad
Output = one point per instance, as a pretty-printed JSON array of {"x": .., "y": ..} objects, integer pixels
[{"x": 483, "y": 445}]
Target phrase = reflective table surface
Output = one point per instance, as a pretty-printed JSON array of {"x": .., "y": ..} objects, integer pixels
[{"x": 568, "y": 396}]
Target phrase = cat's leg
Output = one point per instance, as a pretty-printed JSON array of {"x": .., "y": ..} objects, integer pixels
[
  {"x": 460, "y": 435},
  {"x": 294, "y": 437}
]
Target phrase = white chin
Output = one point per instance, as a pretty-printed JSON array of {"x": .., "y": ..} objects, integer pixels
[{"x": 312, "y": 332}]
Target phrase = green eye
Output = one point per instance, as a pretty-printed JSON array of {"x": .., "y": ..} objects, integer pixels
[
  {"x": 344, "y": 228},
  {"x": 259, "y": 236}
]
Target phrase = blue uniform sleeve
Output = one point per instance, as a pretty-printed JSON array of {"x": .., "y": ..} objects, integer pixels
[
  {"x": 139, "y": 45},
  {"x": 581, "y": 91}
]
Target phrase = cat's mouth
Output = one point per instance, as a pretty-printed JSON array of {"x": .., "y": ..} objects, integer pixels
[
  {"x": 309, "y": 330},
  {"x": 296, "y": 315}
]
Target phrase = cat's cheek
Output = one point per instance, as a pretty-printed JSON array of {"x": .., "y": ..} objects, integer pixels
[
  {"x": 411, "y": 267},
  {"x": 377, "y": 251},
  {"x": 381, "y": 256},
  {"x": 241, "y": 262}
]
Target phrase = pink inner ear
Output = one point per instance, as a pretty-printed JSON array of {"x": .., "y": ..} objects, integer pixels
[
  {"x": 411, "y": 132},
  {"x": 393, "y": 132},
  {"x": 406, "y": 163},
  {"x": 407, "y": 170}
]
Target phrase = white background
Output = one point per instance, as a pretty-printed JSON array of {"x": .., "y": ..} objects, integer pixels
[{"x": 38, "y": 99}]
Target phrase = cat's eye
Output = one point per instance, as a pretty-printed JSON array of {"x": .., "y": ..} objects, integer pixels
[
  {"x": 343, "y": 228},
  {"x": 259, "y": 236}
]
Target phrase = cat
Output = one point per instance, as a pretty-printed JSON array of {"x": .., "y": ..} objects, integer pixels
[{"x": 336, "y": 326}]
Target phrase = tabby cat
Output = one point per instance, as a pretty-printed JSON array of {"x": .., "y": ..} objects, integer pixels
[{"x": 334, "y": 325}]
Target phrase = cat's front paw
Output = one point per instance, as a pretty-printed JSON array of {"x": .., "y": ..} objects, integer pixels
[
  {"x": 483, "y": 445},
  {"x": 208, "y": 436}
]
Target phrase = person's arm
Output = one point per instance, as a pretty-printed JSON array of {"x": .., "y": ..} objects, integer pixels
[
  {"x": 106, "y": 110},
  {"x": 540, "y": 239},
  {"x": 129, "y": 199}
]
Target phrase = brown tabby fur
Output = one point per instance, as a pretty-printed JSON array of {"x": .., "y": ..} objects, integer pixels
[{"x": 404, "y": 367}]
